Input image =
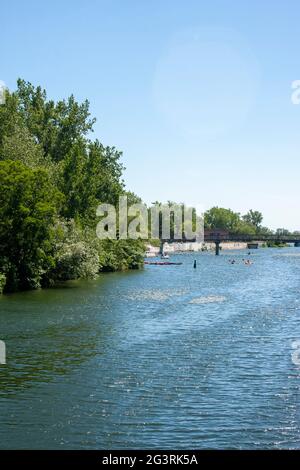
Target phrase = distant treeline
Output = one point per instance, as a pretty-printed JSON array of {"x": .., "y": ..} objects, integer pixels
[{"x": 237, "y": 224}]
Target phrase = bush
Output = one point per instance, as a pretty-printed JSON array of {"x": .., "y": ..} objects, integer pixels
[
  {"x": 75, "y": 255},
  {"x": 120, "y": 255},
  {"x": 76, "y": 261},
  {"x": 2, "y": 282},
  {"x": 276, "y": 244},
  {"x": 28, "y": 203}
]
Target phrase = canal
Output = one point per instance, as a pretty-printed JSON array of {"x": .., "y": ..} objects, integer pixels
[{"x": 167, "y": 357}]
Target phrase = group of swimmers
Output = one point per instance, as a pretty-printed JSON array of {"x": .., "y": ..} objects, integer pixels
[{"x": 245, "y": 261}]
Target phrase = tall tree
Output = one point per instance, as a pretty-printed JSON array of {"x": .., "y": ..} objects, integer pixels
[
  {"x": 55, "y": 126},
  {"x": 28, "y": 204},
  {"x": 254, "y": 218},
  {"x": 220, "y": 218}
]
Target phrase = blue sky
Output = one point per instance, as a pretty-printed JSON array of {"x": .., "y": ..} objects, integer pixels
[{"x": 196, "y": 94}]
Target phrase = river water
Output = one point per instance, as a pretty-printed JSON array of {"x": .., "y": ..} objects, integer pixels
[{"x": 167, "y": 357}]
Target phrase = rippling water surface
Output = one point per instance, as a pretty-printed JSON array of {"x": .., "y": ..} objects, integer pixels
[{"x": 168, "y": 357}]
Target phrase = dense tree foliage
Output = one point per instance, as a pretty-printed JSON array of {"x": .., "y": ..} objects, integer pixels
[
  {"x": 52, "y": 177},
  {"x": 29, "y": 203},
  {"x": 226, "y": 219},
  {"x": 253, "y": 218},
  {"x": 233, "y": 222}
]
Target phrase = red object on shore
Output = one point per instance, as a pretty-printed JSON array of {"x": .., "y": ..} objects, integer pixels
[{"x": 160, "y": 263}]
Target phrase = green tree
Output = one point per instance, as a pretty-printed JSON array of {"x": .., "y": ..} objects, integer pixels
[
  {"x": 265, "y": 231},
  {"x": 19, "y": 145},
  {"x": 282, "y": 232},
  {"x": 254, "y": 218},
  {"x": 91, "y": 174},
  {"x": 9, "y": 117},
  {"x": 55, "y": 126},
  {"x": 220, "y": 218},
  {"x": 244, "y": 228},
  {"x": 76, "y": 253},
  {"x": 29, "y": 204}
]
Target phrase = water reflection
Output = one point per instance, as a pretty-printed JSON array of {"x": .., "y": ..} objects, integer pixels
[{"x": 160, "y": 358}]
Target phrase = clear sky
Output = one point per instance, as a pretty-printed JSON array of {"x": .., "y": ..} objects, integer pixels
[{"x": 197, "y": 94}]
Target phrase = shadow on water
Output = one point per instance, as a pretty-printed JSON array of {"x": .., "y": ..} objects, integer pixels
[
  {"x": 48, "y": 333},
  {"x": 53, "y": 332}
]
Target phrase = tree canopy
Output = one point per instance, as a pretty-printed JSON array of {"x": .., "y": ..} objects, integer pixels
[
  {"x": 29, "y": 203},
  {"x": 234, "y": 222},
  {"x": 52, "y": 177}
]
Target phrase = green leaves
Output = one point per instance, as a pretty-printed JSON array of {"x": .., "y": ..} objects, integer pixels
[
  {"x": 52, "y": 176},
  {"x": 55, "y": 126},
  {"x": 254, "y": 218},
  {"x": 29, "y": 205},
  {"x": 220, "y": 218},
  {"x": 226, "y": 219}
]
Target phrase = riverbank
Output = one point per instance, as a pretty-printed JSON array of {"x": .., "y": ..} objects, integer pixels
[{"x": 172, "y": 248}]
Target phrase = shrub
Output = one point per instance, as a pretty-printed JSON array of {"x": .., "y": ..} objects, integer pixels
[
  {"x": 75, "y": 255},
  {"x": 28, "y": 206},
  {"x": 2, "y": 282},
  {"x": 120, "y": 255}
]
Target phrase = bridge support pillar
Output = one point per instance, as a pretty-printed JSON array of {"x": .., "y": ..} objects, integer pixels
[
  {"x": 252, "y": 246},
  {"x": 217, "y": 248},
  {"x": 297, "y": 244}
]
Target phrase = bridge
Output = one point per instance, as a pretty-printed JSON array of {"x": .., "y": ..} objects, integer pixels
[{"x": 219, "y": 236}]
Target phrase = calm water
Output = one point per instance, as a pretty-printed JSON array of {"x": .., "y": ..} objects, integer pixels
[{"x": 169, "y": 357}]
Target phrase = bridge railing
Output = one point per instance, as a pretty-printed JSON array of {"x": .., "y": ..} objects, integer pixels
[
  {"x": 251, "y": 238},
  {"x": 238, "y": 238}
]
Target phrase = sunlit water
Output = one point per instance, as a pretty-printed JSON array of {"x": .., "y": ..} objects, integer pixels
[{"x": 167, "y": 357}]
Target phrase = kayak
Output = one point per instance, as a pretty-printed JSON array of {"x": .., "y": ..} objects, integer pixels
[{"x": 161, "y": 263}]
